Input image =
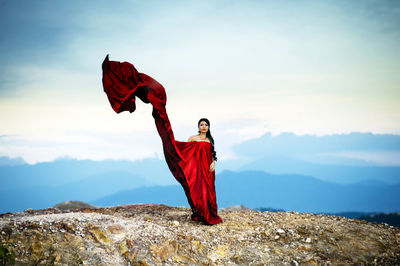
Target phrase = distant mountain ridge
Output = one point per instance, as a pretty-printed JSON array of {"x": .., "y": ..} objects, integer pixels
[
  {"x": 250, "y": 188},
  {"x": 308, "y": 161},
  {"x": 340, "y": 158},
  {"x": 63, "y": 171},
  {"x": 4, "y": 160},
  {"x": 337, "y": 173},
  {"x": 255, "y": 189}
]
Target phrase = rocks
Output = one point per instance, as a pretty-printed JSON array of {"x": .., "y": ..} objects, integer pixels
[
  {"x": 157, "y": 234},
  {"x": 73, "y": 204},
  {"x": 236, "y": 208}
]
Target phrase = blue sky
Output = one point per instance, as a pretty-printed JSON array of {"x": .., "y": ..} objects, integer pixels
[{"x": 251, "y": 67}]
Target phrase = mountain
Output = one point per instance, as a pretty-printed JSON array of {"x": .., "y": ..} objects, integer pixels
[
  {"x": 64, "y": 171},
  {"x": 337, "y": 173},
  {"x": 255, "y": 189},
  {"x": 41, "y": 185},
  {"x": 4, "y": 160},
  {"x": 170, "y": 195},
  {"x": 303, "y": 193},
  {"x": 357, "y": 165},
  {"x": 388, "y": 218},
  {"x": 90, "y": 188},
  {"x": 339, "y": 158}
]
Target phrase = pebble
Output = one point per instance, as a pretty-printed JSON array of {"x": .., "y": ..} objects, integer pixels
[{"x": 280, "y": 231}]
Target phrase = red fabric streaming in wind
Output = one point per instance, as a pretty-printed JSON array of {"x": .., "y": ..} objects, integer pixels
[{"x": 188, "y": 161}]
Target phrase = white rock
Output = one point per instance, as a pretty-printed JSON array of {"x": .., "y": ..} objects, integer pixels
[
  {"x": 175, "y": 223},
  {"x": 280, "y": 231}
]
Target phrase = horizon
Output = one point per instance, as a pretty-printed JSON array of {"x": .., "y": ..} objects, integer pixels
[{"x": 377, "y": 156}]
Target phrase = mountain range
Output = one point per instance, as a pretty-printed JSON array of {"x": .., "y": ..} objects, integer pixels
[
  {"x": 340, "y": 172},
  {"x": 255, "y": 189}
]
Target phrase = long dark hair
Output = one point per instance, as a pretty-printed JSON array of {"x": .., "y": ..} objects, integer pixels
[{"x": 208, "y": 134}]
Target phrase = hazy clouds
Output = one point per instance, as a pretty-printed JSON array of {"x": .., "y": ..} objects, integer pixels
[{"x": 304, "y": 67}]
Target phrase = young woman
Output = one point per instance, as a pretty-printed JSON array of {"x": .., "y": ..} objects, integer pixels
[
  {"x": 205, "y": 135},
  {"x": 199, "y": 168},
  {"x": 192, "y": 163}
]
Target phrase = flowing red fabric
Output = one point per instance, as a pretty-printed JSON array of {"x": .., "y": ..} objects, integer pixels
[{"x": 189, "y": 162}]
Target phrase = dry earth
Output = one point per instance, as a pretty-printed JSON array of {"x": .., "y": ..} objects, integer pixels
[{"x": 158, "y": 234}]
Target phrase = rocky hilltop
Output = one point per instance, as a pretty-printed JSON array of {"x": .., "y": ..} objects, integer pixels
[{"x": 159, "y": 234}]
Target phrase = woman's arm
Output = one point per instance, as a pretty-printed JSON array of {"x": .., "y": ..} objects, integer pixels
[{"x": 212, "y": 166}]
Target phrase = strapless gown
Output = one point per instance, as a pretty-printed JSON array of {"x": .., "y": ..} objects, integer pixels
[
  {"x": 197, "y": 157},
  {"x": 189, "y": 162}
]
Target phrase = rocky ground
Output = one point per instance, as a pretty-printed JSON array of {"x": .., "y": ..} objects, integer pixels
[{"x": 159, "y": 234}]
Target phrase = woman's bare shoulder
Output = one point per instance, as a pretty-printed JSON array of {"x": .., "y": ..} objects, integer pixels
[
  {"x": 197, "y": 138},
  {"x": 192, "y": 138}
]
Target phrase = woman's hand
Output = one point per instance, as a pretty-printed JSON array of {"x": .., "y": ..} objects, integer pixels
[{"x": 212, "y": 166}]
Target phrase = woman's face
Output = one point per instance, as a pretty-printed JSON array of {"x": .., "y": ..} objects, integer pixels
[{"x": 203, "y": 127}]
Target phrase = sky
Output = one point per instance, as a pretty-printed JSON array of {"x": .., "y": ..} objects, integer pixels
[{"x": 250, "y": 67}]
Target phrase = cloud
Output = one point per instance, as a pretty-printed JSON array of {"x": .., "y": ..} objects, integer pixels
[
  {"x": 82, "y": 145},
  {"x": 383, "y": 149},
  {"x": 314, "y": 67}
]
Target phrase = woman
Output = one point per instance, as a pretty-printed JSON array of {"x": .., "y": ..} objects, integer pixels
[
  {"x": 205, "y": 135},
  {"x": 199, "y": 169},
  {"x": 190, "y": 162}
]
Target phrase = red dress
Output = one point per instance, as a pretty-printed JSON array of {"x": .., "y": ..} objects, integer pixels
[
  {"x": 189, "y": 162},
  {"x": 197, "y": 157}
]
